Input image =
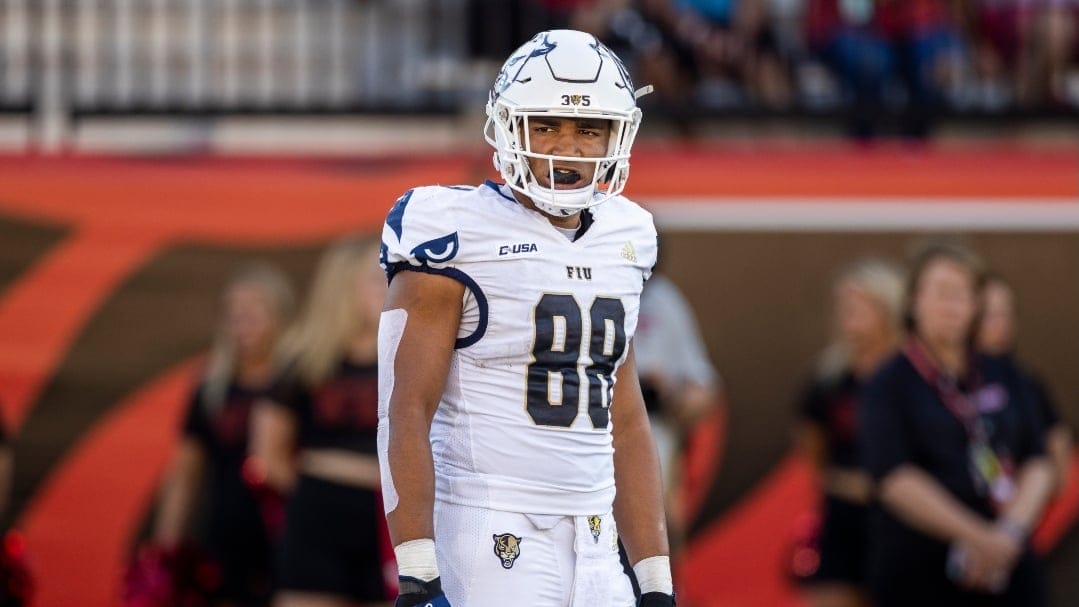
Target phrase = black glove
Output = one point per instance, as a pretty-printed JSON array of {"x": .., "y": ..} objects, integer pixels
[
  {"x": 417, "y": 593},
  {"x": 656, "y": 599}
]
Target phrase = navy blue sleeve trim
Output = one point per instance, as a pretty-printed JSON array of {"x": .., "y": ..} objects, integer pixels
[
  {"x": 498, "y": 189},
  {"x": 397, "y": 213},
  {"x": 481, "y": 299}
]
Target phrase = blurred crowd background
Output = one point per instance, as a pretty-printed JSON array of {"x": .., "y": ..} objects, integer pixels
[
  {"x": 172, "y": 172},
  {"x": 866, "y": 67}
]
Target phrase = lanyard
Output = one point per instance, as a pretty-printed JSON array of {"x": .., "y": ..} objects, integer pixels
[
  {"x": 947, "y": 388},
  {"x": 992, "y": 473}
]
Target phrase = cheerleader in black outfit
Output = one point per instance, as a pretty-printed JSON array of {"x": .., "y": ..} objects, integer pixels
[
  {"x": 867, "y": 305},
  {"x": 316, "y": 433},
  {"x": 257, "y": 304}
]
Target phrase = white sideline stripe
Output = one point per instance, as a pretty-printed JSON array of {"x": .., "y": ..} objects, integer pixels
[{"x": 865, "y": 214}]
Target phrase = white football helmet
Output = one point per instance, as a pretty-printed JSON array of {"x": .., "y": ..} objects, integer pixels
[{"x": 562, "y": 74}]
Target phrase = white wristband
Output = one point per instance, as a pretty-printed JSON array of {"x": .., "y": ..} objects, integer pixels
[
  {"x": 416, "y": 558},
  {"x": 654, "y": 575}
]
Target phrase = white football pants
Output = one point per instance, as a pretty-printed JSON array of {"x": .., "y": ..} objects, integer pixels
[{"x": 559, "y": 561}]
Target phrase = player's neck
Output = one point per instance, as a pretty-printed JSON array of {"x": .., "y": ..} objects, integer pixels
[{"x": 571, "y": 222}]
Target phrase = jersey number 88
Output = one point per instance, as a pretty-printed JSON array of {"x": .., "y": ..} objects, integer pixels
[{"x": 554, "y": 377}]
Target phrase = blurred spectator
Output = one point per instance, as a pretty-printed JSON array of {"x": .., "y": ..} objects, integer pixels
[
  {"x": 1050, "y": 73},
  {"x": 257, "y": 303},
  {"x": 1024, "y": 54},
  {"x": 886, "y": 65},
  {"x": 714, "y": 53},
  {"x": 867, "y": 305},
  {"x": 875, "y": 45},
  {"x": 957, "y": 453},
  {"x": 735, "y": 40},
  {"x": 315, "y": 433},
  {"x": 996, "y": 337},
  {"x": 497, "y": 27},
  {"x": 997, "y": 31},
  {"x": 644, "y": 34},
  {"x": 680, "y": 386}
]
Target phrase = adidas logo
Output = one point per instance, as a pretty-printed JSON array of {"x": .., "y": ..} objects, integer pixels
[{"x": 628, "y": 252}]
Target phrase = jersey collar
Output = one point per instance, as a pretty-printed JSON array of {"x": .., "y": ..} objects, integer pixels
[{"x": 587, "y": 219}]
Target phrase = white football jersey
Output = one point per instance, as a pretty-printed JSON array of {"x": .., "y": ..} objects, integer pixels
[{"x": 524, "y": 423}]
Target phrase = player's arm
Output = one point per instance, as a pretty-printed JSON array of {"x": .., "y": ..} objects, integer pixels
[
  {"x": 638, "y": 503},
  {"x": 416, "y": 340}
]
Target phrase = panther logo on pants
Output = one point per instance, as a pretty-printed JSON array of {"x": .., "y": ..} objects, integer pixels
[
  {"x": 507, "y": 548},
  {"x": 594, "y": 523}
]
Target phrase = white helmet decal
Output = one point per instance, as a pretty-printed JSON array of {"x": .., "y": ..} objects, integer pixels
[{"x": 562, "y": 74}]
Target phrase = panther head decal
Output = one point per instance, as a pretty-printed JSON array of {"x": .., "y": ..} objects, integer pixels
[
  {"x": 507, "y": 548},
  {"x": 594, "y": 523}
]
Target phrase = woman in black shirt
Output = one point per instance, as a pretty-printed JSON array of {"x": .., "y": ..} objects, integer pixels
[
  {"x": 867, "y": 304},
  {"x": 316, "y": 434},
  {"x": 257, "y": 304},
  {"x": 953, "y": 442},
  {"x": 996, "y": 337}
]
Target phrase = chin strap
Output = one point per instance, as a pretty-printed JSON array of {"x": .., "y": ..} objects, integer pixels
[{"x": 542, "y": 198}]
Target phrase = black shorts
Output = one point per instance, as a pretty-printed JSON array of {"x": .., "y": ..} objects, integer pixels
[
  {"x": 237, "y": 541},
  {"x": 843, "y": 542},
  {"x": 245, "y": 572},
  {"x": 331, "y": 543}
]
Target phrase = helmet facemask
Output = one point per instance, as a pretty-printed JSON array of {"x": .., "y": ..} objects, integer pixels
[{"x": 508, "y": 131}]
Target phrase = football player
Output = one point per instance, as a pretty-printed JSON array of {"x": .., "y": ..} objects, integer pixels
[{"x": 509, "y": 405}]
